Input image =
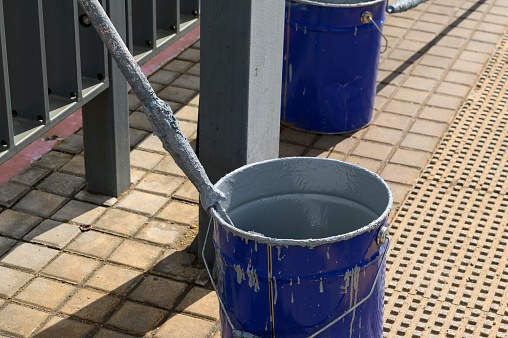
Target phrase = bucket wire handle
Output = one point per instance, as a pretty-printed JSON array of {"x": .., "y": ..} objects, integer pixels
[
  {"x": 388, "y": 240},
  {"x": 236, "y": 333},
  {"x": 367, "y": 18}
]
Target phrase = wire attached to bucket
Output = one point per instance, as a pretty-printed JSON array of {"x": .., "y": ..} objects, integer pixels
[{"x": 367, "y": 18}]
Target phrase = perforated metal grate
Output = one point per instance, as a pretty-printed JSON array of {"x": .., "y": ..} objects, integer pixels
[{"x": 447, "y": 271}]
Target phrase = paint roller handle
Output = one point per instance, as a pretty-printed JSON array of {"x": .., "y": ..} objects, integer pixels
[
  {"x": 403, "y": 5},
  {"x": 159, "y": 113}
]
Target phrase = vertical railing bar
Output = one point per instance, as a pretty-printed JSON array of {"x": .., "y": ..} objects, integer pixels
[
  {"x": 6, "y": 130},
  {"x": 178, "y": 17},
  {"x": 153, "y": 22},
  {"x": 77, "y": 51},
  {"x": 44, "y": 71},
  {"x": 128, "y": 21}
]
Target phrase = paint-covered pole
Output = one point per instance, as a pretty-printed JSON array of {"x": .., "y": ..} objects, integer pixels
[
  {"x": 159, "y": 113},
  {"x": 403, "y": 5}
]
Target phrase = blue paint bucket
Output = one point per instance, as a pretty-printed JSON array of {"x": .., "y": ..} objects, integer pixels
[
  {"x": 306, "y": 253},
  {"x": 331, "y": 56}
]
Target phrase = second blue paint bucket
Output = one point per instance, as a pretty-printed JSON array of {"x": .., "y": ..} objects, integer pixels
[
  {"x": 306, "y": 254},
  {"x": 330, "y": 65}
]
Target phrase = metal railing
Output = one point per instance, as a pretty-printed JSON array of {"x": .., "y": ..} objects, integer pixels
[{"x": 52, "y": 62}]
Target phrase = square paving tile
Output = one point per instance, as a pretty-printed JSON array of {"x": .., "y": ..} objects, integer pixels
[
  {"x": 79, "y": 212},
  {"x": 96, "y": 244},
  {"x": 39, "y": 289},
  {"x": 12, "y": 280},
  {"x": 53, "y": 233},
  {"x": 430, "y": 128},
  {"x": 114, "y": 279},
  {"x": 289, "y": 150},
  {"x": 64, "y": 327},
  {"x": 180, "y": 325},
  {"x": 6, "y": 244},
  {"x": 76, "y": 166},
  {"x": 136, "y": 136},
  {"x": 62, "y": 184},
  {"x": 187, "y": 192},
  {"x": 90, "y": 305},
  {"x": 367, "y": 163},
  {"x": 53, "y": 160},
  {"x": 20, "y": 320},
  {"x": 161, "y": 232},
  {"x": 375, "y": 151},
  {"x": 139, "y": 120},
  {"x": 177, "y": 264},
  {"x": 190, "y": 54},
  {"x": 152, "y": 143},
  {"x": 136, "y": 318},
  {"x": 71, "y": 268},
  {"x": 168, "y": 165},
  {"x": 188, "y": 113},
  {"x": 392, "y": 121},
  {"x": 187, "y": 81},
  {"x": 180, "y": 212},
  {"x": 30, "y": 175},
  {"x": 161, "y": 184},
  {"x": 105, "y": 333},
  {"x": 72, "y": 144},
  {"x": 159, "y": 291},
  {"x": 135, "y": 254},
  {"x": 29, "y": 256},
  {"x": 177, "y": 94},
  {"x": 179, "y": 66},
  {"x": 142, "y": 202},
  {"x": 103, "y": 200},
  {"x": 17, "y": 224},
  {"x": 384, "y": 135},
  {"x": 163, "y": 76},
  {"x": 120, "y": 221},
  {"x": 420, "y": 142},
  {"x": 399, "y": 192},
  {"x": 11, "y": 192},
  {"x": 400, "y": 174},
  {"x": 410, "y": 157},
  {"x": 200, "y": 302},
  {"x": 145, "y": 159},
  {"x": 40, "y": 203}
]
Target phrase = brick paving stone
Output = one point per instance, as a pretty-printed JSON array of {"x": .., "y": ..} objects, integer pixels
[
  {"x": 320, "y": 153},
  {"x": 65, "y": 327},
  {"x": 139, "y": 120},
  {"x": 409, "y": 157},
  {"x": 177, "y": 94},
  {"x": 187, "y": 192},
  {"x": 40, "y": 203},
  {"x": 179, "y": 66},
  {"x": 20, "y": 320},
  {"x": 119, "y": 221},
  {"x": 72, "y": 144},
  {"x": 367, "y": 163},
  {"x": 90, "y": 305},
  {"x": 467, "y": 66},
  {"x": 135, "y": 254},
  {"x": 161, "y": 184},
  {"x": 6, "y": 244},
  {"x": 96, "y": 244},
  {"x": 136, "y": 136},
  {"x": 188, "y": 113},
  {"x": 142, "y": 202},
  {"x": 189, "y": 130},
  {"x": 76, "y": 166},
  {"x": 177, "y": 264},
  {"x": 420, "y": 142},
  {"x": 475, "y": 56},
  {"x": 180, "y": 212},
  {"x": 187, "y": 81},
  {"x": 159, "y": 291},
  {"x": 114, "y": 279},
  {"x": 29, "y": 256},
  {"x": 53, "y": 160},
  {"x": 137, "y": 318},
  {"x": 383, "y": 135},
  {"x": 163, "y": 76},
  {"x": 200, "y": 302},
  {"x": 179, "y": 325},
  {"x": 372, "y": 150},
  {"x": 288, "y": 150},
  {"x": 103, "y": 200},
  {"x": 411, "y": 95},
  {"x": 386, "y": 90},
  {"x": 71, "y": 268},
  {"x": 428, "y": 72},
  {"x": 195, "y": 101},
  {"x": 296, "y": 136},
  {"x": 399, "y": 192},
  {"x": 133, "y": 100},
  {"x": 437, "y": 114},
  {"x": 453, "y": 89},
  {"x": 420, "y": 83},
  {"x": 17, "y": 224},
  {"x": 403, "y": 108},
  {"x": 194, "y": 70},
  {"x": 400, "y": 174},
  {"x": 11, "y": 192},
  {"x": 461, "y": 77},
  {"x": 444, "y": 51},
  {"x": 38, "y": 290},
  {"x": 190, "y": 54},
  {"x": 168, "y": 165},
  {"x": 62, "y": 184},
  {"x": 12, "y": 280},
  {"x": 328, "y": 142},
  {"x": 136, "y": 175},
  {"x": 105, "y": 333},
  {"x": 152, "y": 143},
  {"x": 430, "y": 128},
  {"x": 436, "y": 61},
  {"x": 392, "y": 121},
  {"x": 79, "y": 212},
  {"x": 144, "y": 159},
  {"x": 30, "y": 175},
  {"x": 53, "y": 233},
  {"x": 161, "y": 232}
]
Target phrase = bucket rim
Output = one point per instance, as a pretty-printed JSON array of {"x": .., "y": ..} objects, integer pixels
[
  {"x": 310, "y": 242},
  {"x": 323, "y": 4}
]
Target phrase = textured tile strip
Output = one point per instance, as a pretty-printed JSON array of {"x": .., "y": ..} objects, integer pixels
[{"x": 447, "y": 271}]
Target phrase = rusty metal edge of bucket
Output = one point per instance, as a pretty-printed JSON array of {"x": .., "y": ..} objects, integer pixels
[
  {"x": 312, "y": 242},
  {"x": 323, "y": 4}
]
